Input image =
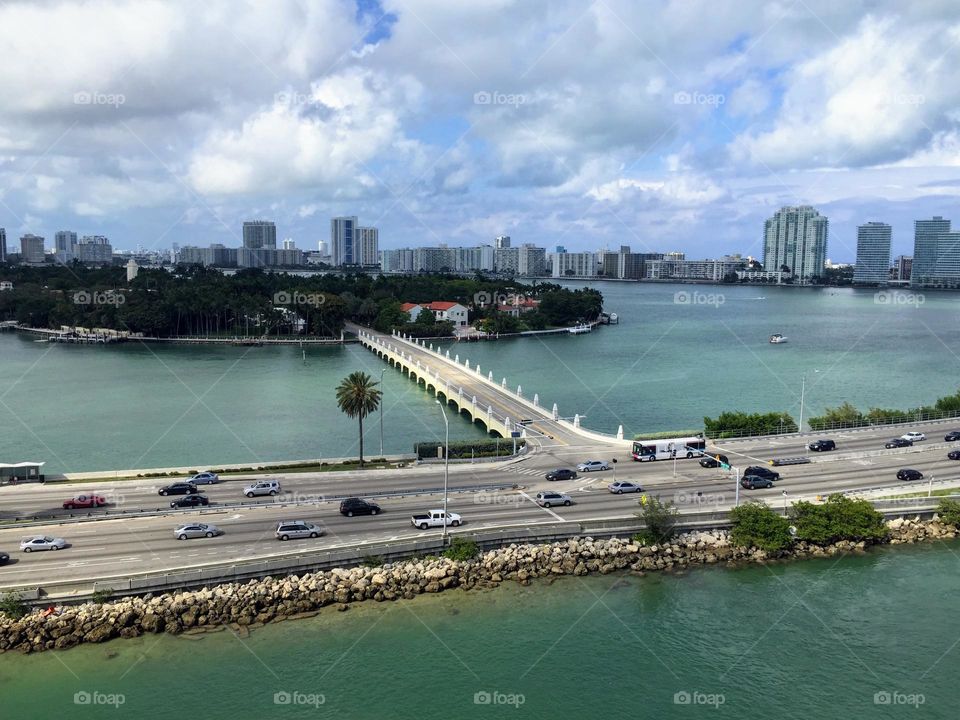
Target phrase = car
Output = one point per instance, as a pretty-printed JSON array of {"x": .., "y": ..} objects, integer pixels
[
  {"x": 953, "y": 455},
  {"x": 952, "y": 436},
  {"x": 909, "y": 474},
  {"x": 591, "y": 465},
  {"x": 712, "y": 461},
  {"x": 195, "y": 530},
  {"x": 295, "y": 529},
  {"x": 180, "y": 488},
  {"x": 561, "y": 474},
  {"x": 205, "y": 478},
  {"x": 189, "y": 501},
  {"x": 898, "y": 443},
  {"x": 42, "y": 542},
  {"x": 4, "y": 558},
  {"x": 913, "y": 436},
  {"x": 623, "y": 486},
  {"x": 84, "y": 501},
  {"x": 822, "y": 445},
  {"x": 752, "y": 482},
  {"x": 262, "y": 487},
  {"x": 435, "y": 518},
  {"x": 546, "y": 499},
  {"x": 760, "y": 471},
  {"x": 358, "y": 506}
]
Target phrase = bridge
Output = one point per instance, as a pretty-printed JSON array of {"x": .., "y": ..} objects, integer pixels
[{"x": 477, "y": 394}]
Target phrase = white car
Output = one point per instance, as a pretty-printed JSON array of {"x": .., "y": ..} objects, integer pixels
[
  {"x": 295, "y": 529},
  {"x": 913, "y": 436},
  {"x": 263, "y": 487},
  {"x": 42, "y": 542},
  {"x": 195, "y": 530},
  {"x": 591, "y": 465},
  {"x": 546, "y": 499}
]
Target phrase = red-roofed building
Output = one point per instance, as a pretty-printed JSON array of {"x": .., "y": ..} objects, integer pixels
[{"x": 442, "y": 310}]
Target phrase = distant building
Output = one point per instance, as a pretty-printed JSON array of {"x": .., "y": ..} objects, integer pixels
[
  {"x": 796, "y": 238},
  {"x": 442, "y": 311},
  {"x": 902, "y": 268},
  {"x": 289, "y": 244},
  {"x": 936, "y": 254},
  {"x": 94, "y": 249},
  {"x": 343, "y": 241},
  {"x": 873, "y": 254},
  {"x": 506, "y": 259},
  {"x": 583, "y": 264},
  {"x": 397, "y": 261},
  {"x": 502, "y": 241},
  {"x": 259, "y": 234},
  {"x": 368, "y": 241},
  {"x": 3, "y": 245},
  {"x": 64, "y": 240},
  {"x": 132, "y": 270},
  {"x": 707, "y": 270},
  {"x": 31, "y": 248},
  {"x": 531, "y": 260}
]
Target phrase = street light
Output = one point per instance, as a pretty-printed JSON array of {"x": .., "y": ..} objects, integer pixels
[
  {"x": 736, "y": 486},
  {"x": 784, "y": 503},
  {"x": 803, "y": 387},
  {"x": 446, "y": 469},
  {"x": 381, "y": 412}
]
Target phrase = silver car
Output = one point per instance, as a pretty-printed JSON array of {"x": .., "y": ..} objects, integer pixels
[
  {"x": 263, "y": 487},
  {"x": 195, "y": 530},
  {"x": 591, "y": 465},
  {"x": 295, "y": 529},
  {"x": 546, "y": 499},
  {"x": 205, "y": 478},
  {"x": 623, "y": 486},
  {"x": 42, "y": 542}
]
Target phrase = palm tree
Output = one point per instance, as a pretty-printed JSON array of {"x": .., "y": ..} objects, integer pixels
[{"x": 357, "y": 396}]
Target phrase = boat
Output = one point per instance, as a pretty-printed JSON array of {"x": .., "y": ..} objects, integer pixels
[
  {"x": 777, "y": 338},
  {"x": 579, "y": 329}
]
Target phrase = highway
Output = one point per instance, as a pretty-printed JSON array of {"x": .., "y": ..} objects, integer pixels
[{"x": 117, "y": 547}]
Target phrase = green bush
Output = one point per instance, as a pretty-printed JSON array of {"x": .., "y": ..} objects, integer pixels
[
  {"x": 949, "y": 512},
  {"x": 756, "y": 525},
  {"x": 659, "y": 520},
  {"x": 13, "y": 606},
  {"x": 741, "y": 424},
  {"x": 461, "y": 549},
  {"x": 839, "y": 518},
  {"x": 101, "y": 596},
  {"x": 372, "y": 561},
  {"x": 467, "y": 448}
]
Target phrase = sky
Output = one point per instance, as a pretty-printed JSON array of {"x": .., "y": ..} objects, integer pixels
[{"x": 660, "y": 124}]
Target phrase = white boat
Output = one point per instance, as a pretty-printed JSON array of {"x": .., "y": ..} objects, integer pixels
[
  {"x": 579, "y": 329},
  {"x": 777, "y": 338}
]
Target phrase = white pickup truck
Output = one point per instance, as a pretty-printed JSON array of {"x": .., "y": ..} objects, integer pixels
[{"x": 435, "y": 518}]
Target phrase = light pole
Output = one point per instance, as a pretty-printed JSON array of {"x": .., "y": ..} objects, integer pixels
[
  {"x": 446, "y": 470},
  {"x": 381, "y": 412},
  {"x": 736, "y": 486},
  {"x": 803, "y": 387},
  {"x": 784, "y": 503}
]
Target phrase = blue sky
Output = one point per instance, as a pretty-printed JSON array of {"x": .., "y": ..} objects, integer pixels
[{"x": 660, "y": 125}]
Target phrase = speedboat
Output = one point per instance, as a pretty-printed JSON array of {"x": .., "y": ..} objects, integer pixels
[{"x": 777, "y": 338}]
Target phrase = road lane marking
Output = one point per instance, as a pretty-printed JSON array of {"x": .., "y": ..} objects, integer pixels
[{"x": 546, "y": 510}]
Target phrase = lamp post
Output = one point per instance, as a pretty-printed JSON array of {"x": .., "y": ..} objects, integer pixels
[
  {"x": 446, "y": 469},
  {"x": 381, "y": 412},
  {"x": 736, "y": 486},
  {"x": 803, "y": 387},
  {"x": 784, "y": 503}
]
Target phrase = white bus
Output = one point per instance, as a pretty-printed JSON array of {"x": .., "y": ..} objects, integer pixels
[{"x": 668, "y": 449}]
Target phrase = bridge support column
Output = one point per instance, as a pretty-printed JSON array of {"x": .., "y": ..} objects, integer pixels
[
  {"x": 536, "y": 399},
  {"x": 620, "y": 433}
]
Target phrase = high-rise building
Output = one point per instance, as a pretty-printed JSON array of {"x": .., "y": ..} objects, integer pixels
[
  {"x": 531, "y": 260},
  {"x": 343, "y": 241},
  {"x": 902, "y": 267},
  {"x": 289, "y": 244},
  {"x": 259, "y": 234},
  {"x": 31, "y": 248},
  {"x": 64, "y": 240},
  {"x": 502, "y": 241},
  {"x": 568, "y": 264},
  {"x": 368, "y": 242},
  {"x": 3, "y": 245},
  {"x": 93, "y": 249},
  {"x": 397, "y": 261},
  {"x": 933, "y": 253},
  {"x": 873, "y": 254},
  {"x": 506, "y": 259},
  {"x": 796, "y": 238}
]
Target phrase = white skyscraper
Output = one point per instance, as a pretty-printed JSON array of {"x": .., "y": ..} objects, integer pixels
[
  {"x": 796, "y": 238},
  {"x": 873, "y": 254},
  {"x": 368, "y": 243}
]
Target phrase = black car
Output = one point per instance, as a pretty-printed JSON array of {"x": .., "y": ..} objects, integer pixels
[
  {"x": 561, "y": 474},
  {"x": 358, "y": 506},
  {"x": 712, "y": 461},
  {"x": 4, "y": 558},
  {"x": 952, "y": 436},
  {"x": 192, "y": 500},
  {"x": 954, "y": 455},
  {"x": 752, "y": 482},
  {"x": 760, "y": 471},
  {"x": 822, "y": 445},
  {"x": 898, "y": 442},
  {"x": 909, "y": 474},
  {"x": 178, "y": 489}
]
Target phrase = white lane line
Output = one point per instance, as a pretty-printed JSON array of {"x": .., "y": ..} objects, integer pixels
[{"x": 546, "y": 510}]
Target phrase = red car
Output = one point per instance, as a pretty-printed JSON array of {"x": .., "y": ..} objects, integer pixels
[{"x": 84, "y": 501}]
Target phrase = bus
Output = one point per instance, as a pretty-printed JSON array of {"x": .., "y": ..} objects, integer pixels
[{"x": 668, "y": 449}]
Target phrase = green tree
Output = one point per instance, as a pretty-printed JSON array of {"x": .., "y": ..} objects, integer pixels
[
  {"x": 756, "y": 525},
  {"x": 659, "y": 521},
  {"x": 839, "y": 518},
  {"x": 357, "y": 396},
  {"x": 949, "y": 512},
  {"x": 844, "y": 416}
]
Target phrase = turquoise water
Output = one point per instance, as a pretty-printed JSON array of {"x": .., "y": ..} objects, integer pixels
[{"x": 816, "y": 639}]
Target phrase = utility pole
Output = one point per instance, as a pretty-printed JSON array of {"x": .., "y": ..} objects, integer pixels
[
  {"x": 803, "y": 386},
  {"x": 381, "y": 412}
]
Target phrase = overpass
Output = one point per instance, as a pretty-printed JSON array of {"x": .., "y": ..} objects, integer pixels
[{"x": 477, "y": 394}]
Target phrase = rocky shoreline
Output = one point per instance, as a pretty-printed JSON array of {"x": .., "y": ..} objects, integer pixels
[{"x": 241, "y": 606}]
